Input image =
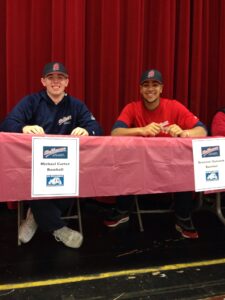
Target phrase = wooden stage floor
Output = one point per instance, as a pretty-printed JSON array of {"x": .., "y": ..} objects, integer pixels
[{"x": 120, "y": 263}]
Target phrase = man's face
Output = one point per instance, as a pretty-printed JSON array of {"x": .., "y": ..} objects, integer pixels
[
  {"x": 55, "y": 84},
  {"x": 151, "y": 90}
]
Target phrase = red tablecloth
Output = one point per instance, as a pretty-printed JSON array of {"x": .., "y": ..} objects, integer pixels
[{"x": 109, "y": 166}]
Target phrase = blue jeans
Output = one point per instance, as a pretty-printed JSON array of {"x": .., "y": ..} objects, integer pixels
[{"x": 47, "y": 213}]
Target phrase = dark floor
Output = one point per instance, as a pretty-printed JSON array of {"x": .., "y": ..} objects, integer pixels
[{"x": 121, "y": 263}]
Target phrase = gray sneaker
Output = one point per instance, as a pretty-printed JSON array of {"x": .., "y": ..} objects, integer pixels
[
  {"x": 68, "y": 237},
  {"x": 28, "y": 228}
]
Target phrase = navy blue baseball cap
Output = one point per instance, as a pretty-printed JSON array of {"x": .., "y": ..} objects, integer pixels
[
  {"x": 54, "y": 67},
  {"x": 151, "y": 74}
]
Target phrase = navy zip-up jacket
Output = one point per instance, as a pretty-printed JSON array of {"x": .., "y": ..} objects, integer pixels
[{"x": 39, "y": 109}]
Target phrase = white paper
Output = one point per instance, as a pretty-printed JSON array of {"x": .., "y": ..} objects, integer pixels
[
  {"x": 209, "y": 163},
  {"x": 55, "y": 167}
]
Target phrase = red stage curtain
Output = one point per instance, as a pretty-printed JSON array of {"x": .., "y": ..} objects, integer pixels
[{"x": 106, "y": 44}]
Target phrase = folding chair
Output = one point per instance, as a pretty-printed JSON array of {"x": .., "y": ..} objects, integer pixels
[
  {"x": 200, "y": 203},
  {"x": 148, "y": 211},
  {"x": 212, "y": 203},
  {"x": 69, "y": 216}
]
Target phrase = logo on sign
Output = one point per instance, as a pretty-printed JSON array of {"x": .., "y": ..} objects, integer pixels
[
  {"x": 212, "y": 176},
  {"x": 56, "y": 180},
  {"x": 55, "y": 152},
  {"x": 211, "y": 151}
]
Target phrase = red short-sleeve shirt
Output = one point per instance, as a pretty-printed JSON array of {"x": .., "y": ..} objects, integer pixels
[
  {"x": 218, "y": 124},
  {"x": 135, "y": 114}
]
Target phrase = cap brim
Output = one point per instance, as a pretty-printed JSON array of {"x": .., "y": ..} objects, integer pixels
[
  {"x": 56, "y": 72},
  {"x": 151, "y": 79}
]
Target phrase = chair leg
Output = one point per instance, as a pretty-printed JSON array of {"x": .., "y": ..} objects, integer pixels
[
  {"x": 79, "y": 216},
  {"x": 19, "y": 219},
  {"x": 139, "y": 214}
]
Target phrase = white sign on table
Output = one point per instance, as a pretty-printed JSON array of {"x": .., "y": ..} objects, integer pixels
[
  {"x": 55, "y": 167},
  {"x": 209, "y": 164}
]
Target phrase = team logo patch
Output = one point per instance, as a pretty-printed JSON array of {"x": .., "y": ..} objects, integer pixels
[
  {"x": 212, "y": 176},
  {"x": 210, "y": 151},
  {"x": 65, "y": 120},
  {"x": 151, "y": 74},
  {"x": 56, "y": 180},
  {"x": 56, "y": 67},
  {"x": 60, "y": 152}
]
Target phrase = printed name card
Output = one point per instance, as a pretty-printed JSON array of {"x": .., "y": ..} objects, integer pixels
[
  {"x": 55, "y": 167},
  {"x": 209, "y": 164}
]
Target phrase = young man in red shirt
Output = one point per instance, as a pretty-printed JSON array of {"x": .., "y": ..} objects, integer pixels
[
  {"x": 153, "y": 116},
  {"x": 218, "y": 123}
]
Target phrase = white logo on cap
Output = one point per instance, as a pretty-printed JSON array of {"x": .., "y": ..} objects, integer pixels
[
  {"x": 56, "y": 67},
  {"x": 151, "y": 74}
]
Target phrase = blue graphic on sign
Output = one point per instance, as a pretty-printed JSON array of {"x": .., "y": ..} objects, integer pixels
[
  {"x": 210, "y": 151},
  {"x": 60, "y": 152},
  {"x": 212, "y": 175},
  {"x": 55, "y": 180}
]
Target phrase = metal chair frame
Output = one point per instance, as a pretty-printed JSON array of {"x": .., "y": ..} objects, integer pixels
[{"x": 69, "y": 216}]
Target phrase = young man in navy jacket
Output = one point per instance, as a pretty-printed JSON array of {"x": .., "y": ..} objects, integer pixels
[{"x": 51, "y": 111}]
